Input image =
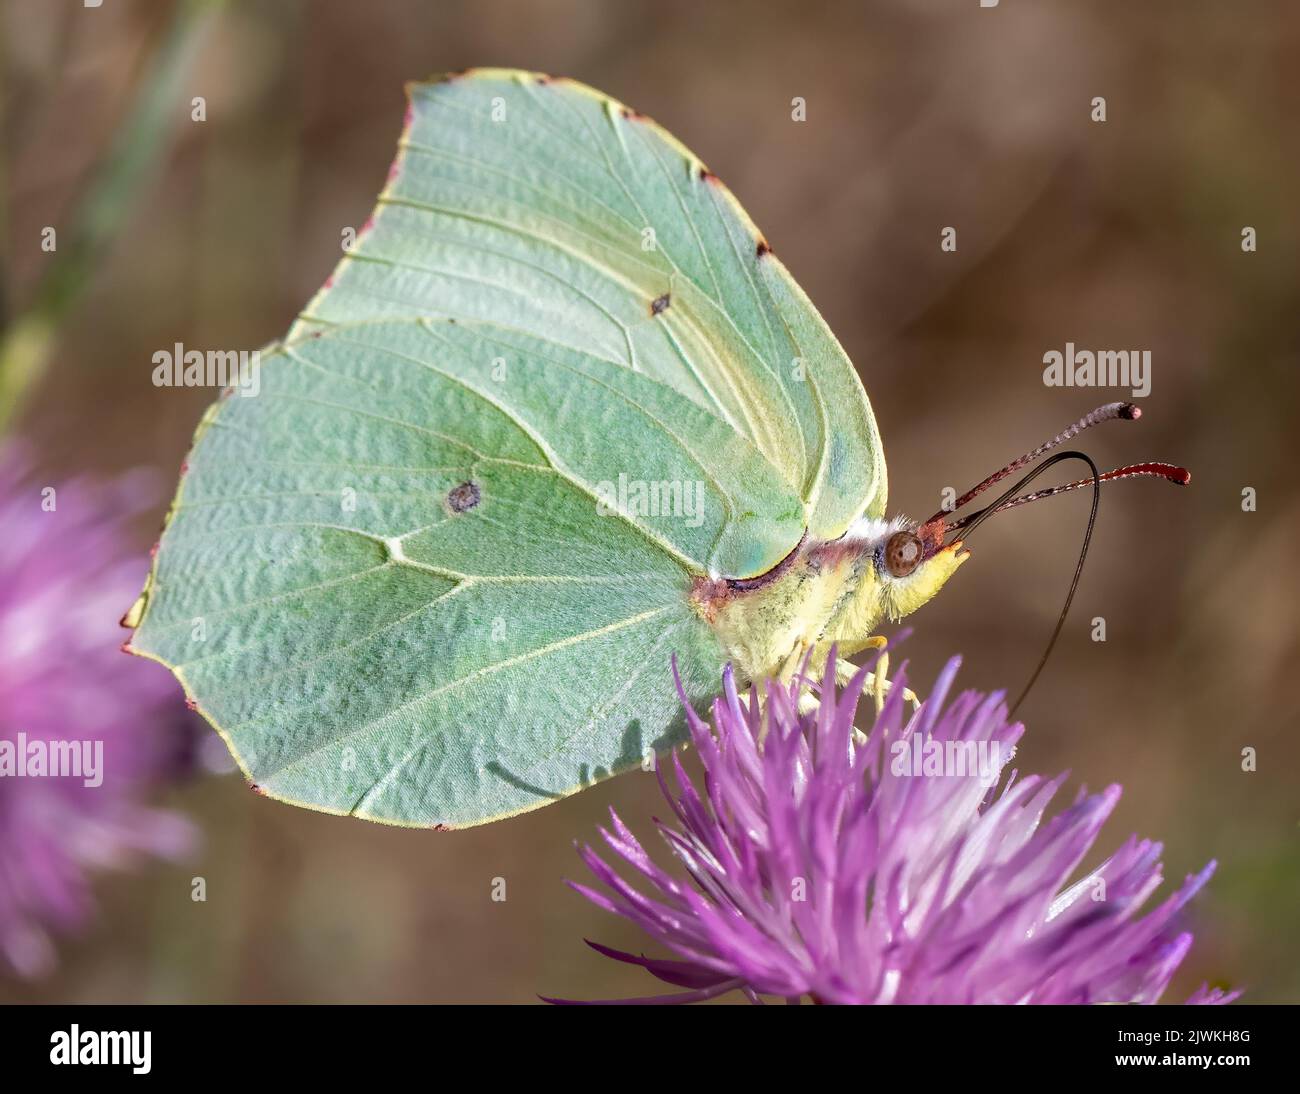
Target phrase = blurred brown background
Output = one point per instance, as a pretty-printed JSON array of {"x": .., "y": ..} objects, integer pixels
[{"x": 920, "y": 115}]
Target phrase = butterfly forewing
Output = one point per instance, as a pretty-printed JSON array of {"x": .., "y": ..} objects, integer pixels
[{"x": 545, "y": 206}]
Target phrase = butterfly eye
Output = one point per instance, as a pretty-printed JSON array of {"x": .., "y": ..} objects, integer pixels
[{"x": 903, "y": 552}]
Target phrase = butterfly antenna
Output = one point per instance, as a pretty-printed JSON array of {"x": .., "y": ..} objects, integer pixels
[
  {"x": 1126, "y": 411},
  {"x": 1167, "y": 471},
  {"x": 1074, "y": 581},
  {"x": 934, "y": 531},
  {"x": 976, "y": 519}
]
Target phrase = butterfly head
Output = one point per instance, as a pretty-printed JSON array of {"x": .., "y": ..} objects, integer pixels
[{"x": 912, "y": 563}]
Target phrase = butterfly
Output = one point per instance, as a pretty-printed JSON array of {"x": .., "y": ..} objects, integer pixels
[{"x": 559, "y": 417}]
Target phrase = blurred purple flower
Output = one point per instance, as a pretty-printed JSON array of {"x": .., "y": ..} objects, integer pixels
[
  {"x": 887, "y": 868},
  {"x": 66, "y": 572}
]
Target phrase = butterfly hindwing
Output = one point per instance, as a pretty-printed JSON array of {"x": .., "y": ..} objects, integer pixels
[{"x": 390, "y": 580}]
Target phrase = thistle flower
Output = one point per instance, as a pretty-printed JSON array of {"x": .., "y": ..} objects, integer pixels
[
  {"x": 888, "y": 867},
  {"x": 66, "y": 571}
]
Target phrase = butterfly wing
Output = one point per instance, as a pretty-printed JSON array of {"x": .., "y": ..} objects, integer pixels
[
  {"x": 401, "y": 582},
  {"x": 546, "y": 206},
  {"x": 389, "y": 579}
]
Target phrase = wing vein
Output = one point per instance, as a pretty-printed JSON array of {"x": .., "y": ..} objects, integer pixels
[{"x": 477, "y": 674}]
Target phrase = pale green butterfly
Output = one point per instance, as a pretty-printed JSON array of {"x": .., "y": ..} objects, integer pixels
[{"x": 559, "y": 415}]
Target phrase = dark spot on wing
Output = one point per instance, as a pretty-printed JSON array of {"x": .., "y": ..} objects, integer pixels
[
  {"x": 708, "y": 176},
  {"x": 763, "y": 248},
  {"x": 660, "y": 303},
  {"x": 463, "y": 497}
]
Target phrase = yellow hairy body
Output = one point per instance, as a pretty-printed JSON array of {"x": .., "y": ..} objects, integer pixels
[{"x": 824, "y": 594}]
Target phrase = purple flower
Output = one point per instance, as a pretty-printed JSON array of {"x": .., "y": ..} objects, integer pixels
[
  {"x": 71, "y": 701},
  {"x": 888, "y": 868}
]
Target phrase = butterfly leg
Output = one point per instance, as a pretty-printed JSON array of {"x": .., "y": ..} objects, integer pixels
[
  {"x": 877, "y": 682},
  {"x": 794, "y": 663},
  {"x": 844, "y": 669},
  {"x": 792, "y": 666}
]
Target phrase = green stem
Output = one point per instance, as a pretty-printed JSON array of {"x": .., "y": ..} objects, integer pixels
[{"x": 28, "y": 343}]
